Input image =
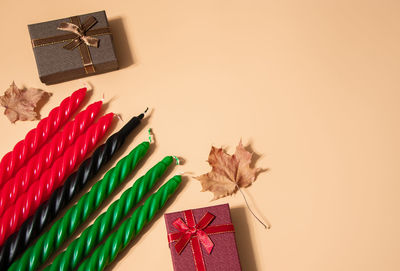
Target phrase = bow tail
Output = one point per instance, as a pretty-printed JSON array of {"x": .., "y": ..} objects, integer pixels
[
  {"x": 197, "y": 254},
  {"x": 182, "y": 242},
  {"x": 91, "y": 41},
  {"x": 73, "y": 44},
  {"x": 205, "y": 240}
]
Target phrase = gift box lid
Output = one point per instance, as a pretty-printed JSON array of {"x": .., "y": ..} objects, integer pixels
[
  {"x": 224, "y": 254},
  {"x": 57, "y": 64}
]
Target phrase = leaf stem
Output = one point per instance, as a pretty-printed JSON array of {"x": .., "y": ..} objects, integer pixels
[{"x": 248, "y": 207}]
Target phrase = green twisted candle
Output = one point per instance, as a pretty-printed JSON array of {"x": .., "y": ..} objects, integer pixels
[
  {"x": 104, "y": 224},
  {"x": 116, "y": 242},
  {"x": 38, "y": 253}
]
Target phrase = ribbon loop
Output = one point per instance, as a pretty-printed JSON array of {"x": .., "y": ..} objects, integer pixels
[
  {"x": 191, "y": 229},
  {"x": 180, "y": 225},
  {"x": 80, "y": 32},
  {"x": 66, "y": 26}
]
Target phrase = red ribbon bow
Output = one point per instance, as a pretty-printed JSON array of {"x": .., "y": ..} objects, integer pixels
[{"x": 196, "y": 234}]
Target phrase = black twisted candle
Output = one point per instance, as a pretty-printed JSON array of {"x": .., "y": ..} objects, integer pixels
[{"x": 34, "y": 225}]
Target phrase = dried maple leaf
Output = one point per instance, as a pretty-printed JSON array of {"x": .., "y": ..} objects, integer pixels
[
  {"x": 20, "y": 104},
  {"x": 229, "y": 172}
]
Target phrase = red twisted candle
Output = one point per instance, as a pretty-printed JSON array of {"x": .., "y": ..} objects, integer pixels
[
  {"x": 46, "y": 155},
  {"x": 52, "y": 178},
  {"x": 36, "y": 137}
]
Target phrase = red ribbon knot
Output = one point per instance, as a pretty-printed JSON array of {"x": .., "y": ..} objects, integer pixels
[{"x": 196, "y": 234}]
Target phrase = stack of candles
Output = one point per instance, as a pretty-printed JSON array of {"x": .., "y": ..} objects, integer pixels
[
  {"x": 77, "y": 214},
  {"x": 130, "y": 228},
  {"x": 35, "y": 138},
  {"x": 46, "y": 155},
  {"x": 40, "y": 190},
  {"x": 106, "y": 222},
  {"x": 37, "y": 181},
  {"x": 47, "y": 212}
]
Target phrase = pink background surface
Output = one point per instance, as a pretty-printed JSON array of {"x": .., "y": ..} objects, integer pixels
[{"x": 311, "y": 86}]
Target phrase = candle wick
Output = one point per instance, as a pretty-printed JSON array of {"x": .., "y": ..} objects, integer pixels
[
  {"x": 186, "y": 173},
  {"x": 150, "y": 135},
  {"x": 145, "y": 111},
  {"x": 87, "y": 85},
  {"x": 177, "y": 160},
  {"x": 119, "y": 117}
]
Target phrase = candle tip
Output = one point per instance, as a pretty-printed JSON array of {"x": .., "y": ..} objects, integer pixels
[
  {"x": 150, "y": 135},
  {"x": 177, "y": 159},
  {"x": 118, "y": 116},
  {"x": 87, "y": 85},
  {"x": 186, "y": 173}
]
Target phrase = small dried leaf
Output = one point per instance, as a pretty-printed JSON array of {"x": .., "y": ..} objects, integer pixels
[
  {"x": 228, "y": 171},
  {"x": 20, "y": 104}
]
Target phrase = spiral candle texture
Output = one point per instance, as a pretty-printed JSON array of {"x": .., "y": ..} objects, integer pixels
[
  {"x": 36, "y": 137},
  {"x": 52, "y": 178},
  {"x": 116, "y": 242},
  {"x": 77, "y": 214},
  {"x": 45, "y": 157},
  {"x": 105, "y": 223},
  {"x": 17, "y": 243}
]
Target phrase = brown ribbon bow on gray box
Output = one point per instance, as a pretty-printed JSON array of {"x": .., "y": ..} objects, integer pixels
[{"x": 81, "y": 36}]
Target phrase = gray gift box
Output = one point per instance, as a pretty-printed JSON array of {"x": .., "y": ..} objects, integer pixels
[{"x": 65, "y": 49}]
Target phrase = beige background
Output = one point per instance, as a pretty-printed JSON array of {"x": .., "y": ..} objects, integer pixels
[{"x": 311, "y": 86}]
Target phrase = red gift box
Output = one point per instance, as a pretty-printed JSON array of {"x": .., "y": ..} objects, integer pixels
[{"x": 202, "y": 239}]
